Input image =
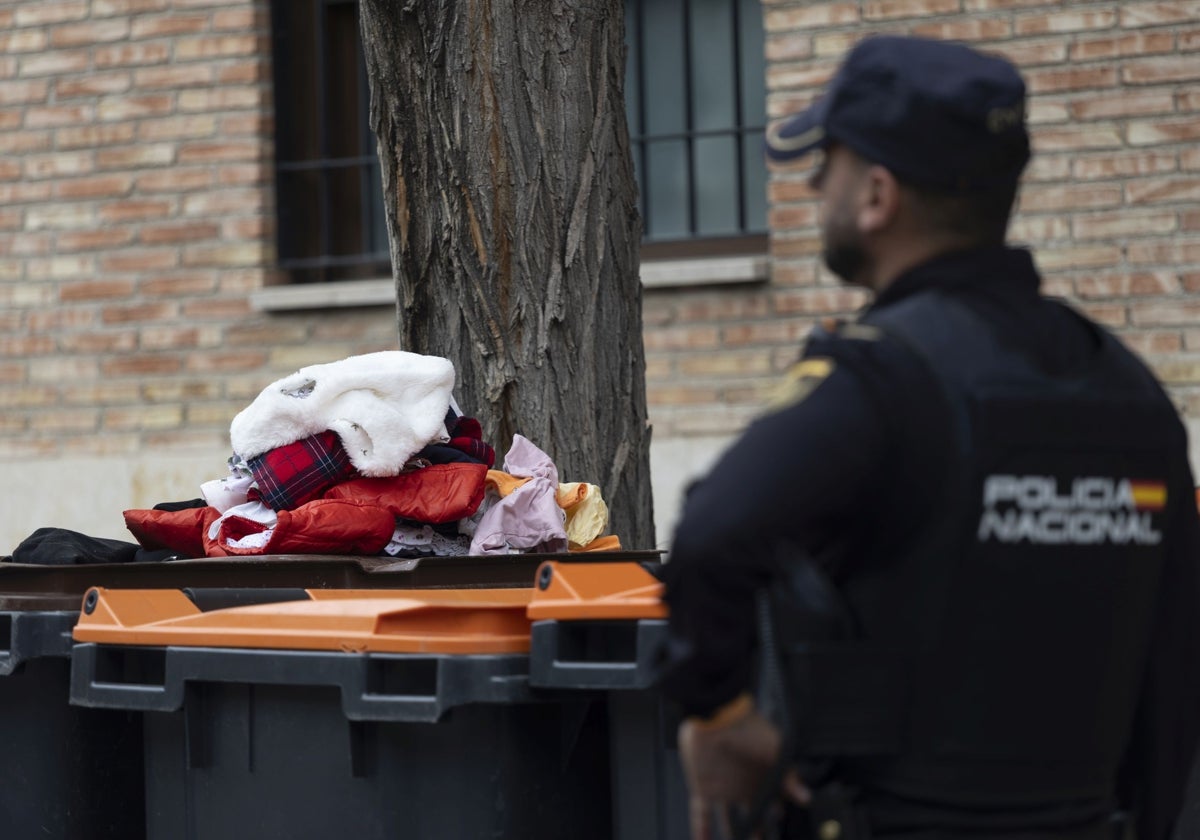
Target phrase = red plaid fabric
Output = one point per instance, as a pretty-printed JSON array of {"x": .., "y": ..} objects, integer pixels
[
  {"x": 291, "y": 475},
  {"x": 467, "y": 436}
]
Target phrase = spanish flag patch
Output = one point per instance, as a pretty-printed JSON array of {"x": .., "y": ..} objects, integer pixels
[{"x": 1148, "y": 495}]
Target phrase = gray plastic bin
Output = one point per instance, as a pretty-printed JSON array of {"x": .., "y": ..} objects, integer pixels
[
  {"x": 66, "y": 773},
  {"x": 292, "y": 744}
]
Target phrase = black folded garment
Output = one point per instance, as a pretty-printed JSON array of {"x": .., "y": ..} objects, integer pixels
[
  {"x": 61, "y": 547},
  {"x": 186, "y": 505}
]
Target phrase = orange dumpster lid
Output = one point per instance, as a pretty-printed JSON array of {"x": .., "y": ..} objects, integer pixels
[
  {"x": 459, "y": 621},
  {"x": 600, "y": 591}
]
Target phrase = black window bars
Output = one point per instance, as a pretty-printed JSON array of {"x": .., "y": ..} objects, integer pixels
[
  {"x": 329, "y": 202},
  {"x": 695, "y": 100},
  {"x": 695, "y": 104}
]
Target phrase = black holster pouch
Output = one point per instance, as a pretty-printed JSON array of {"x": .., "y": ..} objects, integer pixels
[{"x": 825, "y": 677}]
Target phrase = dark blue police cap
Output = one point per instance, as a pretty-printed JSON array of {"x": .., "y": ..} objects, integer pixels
[{"x": 936, "y": 114}]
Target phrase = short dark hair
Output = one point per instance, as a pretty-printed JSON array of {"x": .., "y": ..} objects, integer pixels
[{"x": 973, "y": 217}]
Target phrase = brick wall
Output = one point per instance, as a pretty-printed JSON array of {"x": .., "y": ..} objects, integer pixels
[
  {"x": 1111, "y": 203},
  {"x": 136, "y": 216}
]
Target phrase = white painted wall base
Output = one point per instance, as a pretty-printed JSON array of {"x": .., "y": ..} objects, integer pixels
[
  {"x": 674, "y": 464},
  {"x": 88, "y": 495}
]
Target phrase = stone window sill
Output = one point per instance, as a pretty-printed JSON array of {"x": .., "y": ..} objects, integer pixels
[{"x": 656, "y": 274}]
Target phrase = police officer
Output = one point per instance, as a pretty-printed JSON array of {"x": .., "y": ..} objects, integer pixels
[{"x": 996, "y": 492}]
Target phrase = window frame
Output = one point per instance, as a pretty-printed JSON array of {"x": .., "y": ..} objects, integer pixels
[
  {"x": 366, "y": 263},
  {"x": 748, "y": 239}
]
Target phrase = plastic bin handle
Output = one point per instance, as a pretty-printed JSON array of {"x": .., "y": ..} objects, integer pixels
[
  {"x": 562, "y": 654},
  {"x": 33, "y": 635},
  {"x": 375, "y": 687},
  {"x": 212, "y": 598}
]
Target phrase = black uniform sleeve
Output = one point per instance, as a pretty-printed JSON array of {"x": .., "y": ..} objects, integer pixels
[
  {"x": 1168, "y": 725},
  {"x": 794, "y": 478}
]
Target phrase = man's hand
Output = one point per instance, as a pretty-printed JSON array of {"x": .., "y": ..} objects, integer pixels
[{"x": 726, "y": 763}]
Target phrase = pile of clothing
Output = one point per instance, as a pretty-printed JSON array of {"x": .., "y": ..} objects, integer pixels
[{"x": 371, "y": 455}]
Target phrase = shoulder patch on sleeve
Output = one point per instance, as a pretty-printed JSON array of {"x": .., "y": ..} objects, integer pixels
[
  {"x": 800, "y": 381},
  {"x": 861, "y": 332}
]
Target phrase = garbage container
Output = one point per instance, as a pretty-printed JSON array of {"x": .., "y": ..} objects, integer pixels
[
  {"x": 598, "y": 627},
  {"x": 67, "y": 772},
  {"x": 72, "y": 771},
  {"x": 345, "y": 714},
  {"x": 417, "y": 713}
]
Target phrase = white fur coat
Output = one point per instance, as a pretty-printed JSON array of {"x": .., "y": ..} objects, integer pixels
[{"x": 384, "y": 406}]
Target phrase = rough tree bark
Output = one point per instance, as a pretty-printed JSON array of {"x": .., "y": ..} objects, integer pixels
[{"x": 510, "y": 200}]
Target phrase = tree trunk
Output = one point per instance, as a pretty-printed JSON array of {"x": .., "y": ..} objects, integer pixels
[{"x": 510, "y": 200}]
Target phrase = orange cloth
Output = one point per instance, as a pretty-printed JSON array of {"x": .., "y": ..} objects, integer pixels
[
  {"x": 504, "y": 483},
  {"x": 569, "y": 495},
  {"x": 610, "y": 543}
]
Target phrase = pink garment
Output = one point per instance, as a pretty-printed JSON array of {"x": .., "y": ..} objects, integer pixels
[{"x": 529, "y": 518}]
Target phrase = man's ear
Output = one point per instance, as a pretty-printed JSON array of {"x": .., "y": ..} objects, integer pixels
[{"x": 880, "y": 200}]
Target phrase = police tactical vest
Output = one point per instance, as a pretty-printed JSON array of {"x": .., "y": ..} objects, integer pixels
[{"x": 1002, "y": 666}]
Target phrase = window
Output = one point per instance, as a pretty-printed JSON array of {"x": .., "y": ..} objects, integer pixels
[
  {"x": 695, "y": 102},
  {"x": 696, "y": 105},
  {"x": 328, "y": 189}
]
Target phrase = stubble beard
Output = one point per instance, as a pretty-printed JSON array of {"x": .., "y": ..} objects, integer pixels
[
  {"x": 842, "y": 249},
  {"x": 846, "y": 258}
]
